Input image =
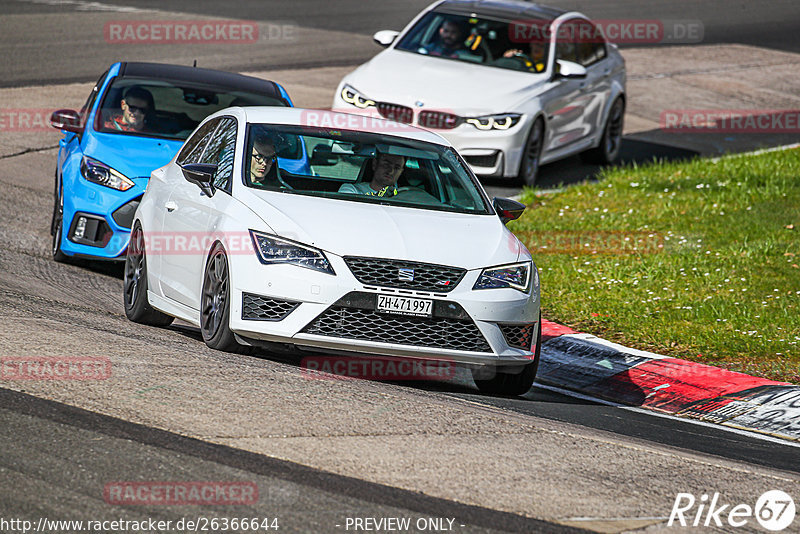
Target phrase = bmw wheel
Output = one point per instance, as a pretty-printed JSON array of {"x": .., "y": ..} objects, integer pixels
[
  {"x": 137, "y": 308},
  {"x": 215, "y": 303},
  {"x": 529, "y": 166},
  {"x": 611, "y": 142},
  {"x": 512, "y": 383}
]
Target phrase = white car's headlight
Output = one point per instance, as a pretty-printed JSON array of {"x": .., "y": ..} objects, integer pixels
[
  {"x": 351, "y": 96},
  {"x": 516, "y": 276},
  {"x": 101, "y": 174},
  {"x": 503, "y": 121},
  {"x": 272, "y": 250}
]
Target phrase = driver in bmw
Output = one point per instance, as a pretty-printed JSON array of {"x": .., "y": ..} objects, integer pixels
[{"x": 386, "y": 169}]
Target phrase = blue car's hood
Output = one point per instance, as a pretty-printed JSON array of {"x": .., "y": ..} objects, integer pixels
[{"x": 133, "y": 156}]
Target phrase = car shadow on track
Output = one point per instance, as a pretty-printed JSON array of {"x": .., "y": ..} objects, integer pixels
[{"x": 458, "y": 383}]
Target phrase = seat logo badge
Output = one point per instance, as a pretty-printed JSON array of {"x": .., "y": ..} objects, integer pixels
[{"x": 405, "y": 275}]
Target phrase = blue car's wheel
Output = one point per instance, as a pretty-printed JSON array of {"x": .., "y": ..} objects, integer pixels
[{"x": 57, "y": 226}]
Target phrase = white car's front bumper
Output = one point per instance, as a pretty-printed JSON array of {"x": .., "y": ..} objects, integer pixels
[{"x": 336, "y": 312}]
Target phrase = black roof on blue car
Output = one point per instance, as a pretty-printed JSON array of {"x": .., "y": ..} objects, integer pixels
[
  {"x": 218, "y": 78},
  {"x": 500, "y": 8}
]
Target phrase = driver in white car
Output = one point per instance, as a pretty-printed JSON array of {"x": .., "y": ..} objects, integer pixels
[{"x": 386, "y": 169}]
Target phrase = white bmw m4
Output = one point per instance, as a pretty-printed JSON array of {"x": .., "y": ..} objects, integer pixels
[{"x": 388, "y": 246}]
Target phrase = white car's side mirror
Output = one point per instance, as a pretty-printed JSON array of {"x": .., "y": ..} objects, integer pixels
[
  {"x": 385, "y": 37},
  {"x": 568, "y": 69}
]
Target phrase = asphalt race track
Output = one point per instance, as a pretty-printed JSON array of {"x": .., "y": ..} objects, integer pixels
[{"x": 322, "y": 452}]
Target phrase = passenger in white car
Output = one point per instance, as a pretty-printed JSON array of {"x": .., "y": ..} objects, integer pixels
[
  {"x": 386, "y": 169},
  {"x": 263, "y": 162}
]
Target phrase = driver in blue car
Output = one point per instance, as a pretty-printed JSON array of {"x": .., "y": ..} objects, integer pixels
[
  {"x": 386, "y": 169},
  {"x": 136, "y": 111}
]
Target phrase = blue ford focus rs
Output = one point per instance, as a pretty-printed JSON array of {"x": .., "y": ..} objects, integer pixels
[{"x": 135, "y": 121}]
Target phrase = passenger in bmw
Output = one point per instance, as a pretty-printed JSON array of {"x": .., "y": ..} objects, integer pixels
[{"x": 386, "y": 169}]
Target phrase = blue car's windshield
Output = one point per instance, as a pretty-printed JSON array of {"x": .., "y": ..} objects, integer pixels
[
  {"x": 363, "y": 167},
  {"x": 167, "y": 109}
]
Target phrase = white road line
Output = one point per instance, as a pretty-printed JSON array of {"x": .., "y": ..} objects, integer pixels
[
  {"x": 81, "y": 5},
  {"x": 752, "y": 434}
]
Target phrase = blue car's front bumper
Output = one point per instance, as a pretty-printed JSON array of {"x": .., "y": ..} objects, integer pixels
[{"x": 107, "y": 214}]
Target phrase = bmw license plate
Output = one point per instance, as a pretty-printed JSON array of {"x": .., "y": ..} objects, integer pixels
[{"x": 405, "y": 305}]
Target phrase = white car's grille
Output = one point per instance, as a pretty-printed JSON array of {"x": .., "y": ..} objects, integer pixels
[
  {"x": 405, "y": 274},
  {"x": 370, "y": 325},
  {"x": 518, "y": 335},
  {"x": 260, "y": 308}
]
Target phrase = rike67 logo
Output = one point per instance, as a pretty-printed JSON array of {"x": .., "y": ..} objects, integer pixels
[{"x": 774, "y": 510}]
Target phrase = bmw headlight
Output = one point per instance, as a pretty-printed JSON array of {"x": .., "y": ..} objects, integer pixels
[
  {"x": 273, "y": 250},
  {"x": 351, "y": 96},
  {"x": 503, "y": 121},
  {"x": 516, "y": 276},
  {"x": 101, "y": 174}
]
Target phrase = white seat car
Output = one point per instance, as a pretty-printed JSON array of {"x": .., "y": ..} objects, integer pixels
[
  {"x": 510, "y": 84},
  {"x": 388, "y": 247}
]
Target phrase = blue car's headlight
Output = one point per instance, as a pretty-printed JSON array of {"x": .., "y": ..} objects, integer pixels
[
  {"x": 503, "y": 121},
  {"x": 351, "y": 96},
  {"x": 516, "y": 276},
  {"x": 101, "y": 174},
  {"x": 272, "y": 250}
]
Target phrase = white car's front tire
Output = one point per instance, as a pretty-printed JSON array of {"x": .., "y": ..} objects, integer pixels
[{"x": 215, "y": 303}]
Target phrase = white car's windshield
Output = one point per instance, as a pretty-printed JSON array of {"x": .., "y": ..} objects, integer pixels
[
  {"x": 363, "y": 167},
  {"x": 515, "y": 45}
]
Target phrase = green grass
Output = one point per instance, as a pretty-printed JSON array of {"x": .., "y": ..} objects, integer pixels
[{"x": 715, "y": 277}]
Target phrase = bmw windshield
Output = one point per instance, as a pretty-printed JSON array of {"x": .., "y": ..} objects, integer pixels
[
  {"x": 518, "y": 45},
  {"x": 362, "y": 167}
]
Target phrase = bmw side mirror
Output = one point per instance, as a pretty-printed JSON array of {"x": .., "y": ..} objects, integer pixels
[
  {"x": 507, "y": 209},
  {"x": 67, "y": 119},
  {"x": 568, "y": 69},
  {"x": 385, "y": 37},
  {"x": 202, "y": 175}
]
